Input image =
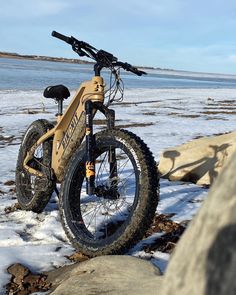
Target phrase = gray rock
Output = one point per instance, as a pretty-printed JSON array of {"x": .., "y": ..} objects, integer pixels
[
  {"x": 204, "y": 262},
  {"x": 108, "y": 275},
  {"x": 200, "y": 160}
]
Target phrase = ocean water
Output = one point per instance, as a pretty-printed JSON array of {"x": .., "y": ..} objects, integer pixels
[{"x": 19, "y": 74}]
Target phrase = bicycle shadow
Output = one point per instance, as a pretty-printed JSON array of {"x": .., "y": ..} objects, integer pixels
[{"x": 200, "y": 167}]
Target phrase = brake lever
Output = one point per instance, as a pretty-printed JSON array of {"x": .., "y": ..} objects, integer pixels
[
  {"x": 82, "y": 53},
  {"x": 76, "y": 46}
]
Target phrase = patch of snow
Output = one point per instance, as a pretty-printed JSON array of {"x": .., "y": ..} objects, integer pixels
[{"x": 161, "y": 117}]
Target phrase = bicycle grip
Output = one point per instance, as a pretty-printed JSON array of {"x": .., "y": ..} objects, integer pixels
[{"x": 62, "y": 37}]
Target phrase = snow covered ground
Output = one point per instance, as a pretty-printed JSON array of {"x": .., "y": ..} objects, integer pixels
[{"x": 161, "y": 117}]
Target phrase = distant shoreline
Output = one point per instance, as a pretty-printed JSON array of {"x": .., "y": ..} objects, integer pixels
[
  {"x": 42, "y": 58},
  {"x": 167, "y": 71},
  {"x": 54, "y": 59}
]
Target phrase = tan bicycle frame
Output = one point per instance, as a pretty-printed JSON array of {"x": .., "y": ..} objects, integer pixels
[{"x": 69, "y": 130}]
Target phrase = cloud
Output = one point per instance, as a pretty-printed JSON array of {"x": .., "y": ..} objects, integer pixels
[
  {"x": 170, "y": 33},
  {"x": 232, "y": 58},
  {"x": 51, "y": 7},
  {"x": 212, "y": 58},
  {"x": 28, "y": 9}
]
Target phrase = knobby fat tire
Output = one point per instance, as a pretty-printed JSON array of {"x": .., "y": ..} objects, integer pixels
[
  {"x": 27, "y": 200},
  {"x": 148, "y": 196}
]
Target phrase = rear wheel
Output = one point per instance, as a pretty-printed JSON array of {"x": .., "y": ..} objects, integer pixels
[
  {"x": 124, "y": 203},
  {"x": 33, "y": 192}
]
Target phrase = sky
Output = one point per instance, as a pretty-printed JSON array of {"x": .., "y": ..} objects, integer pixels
[{"x": 175, "y": 34}]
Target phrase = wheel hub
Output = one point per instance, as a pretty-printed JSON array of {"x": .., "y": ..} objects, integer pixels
[{"x": 110, "y": 193}]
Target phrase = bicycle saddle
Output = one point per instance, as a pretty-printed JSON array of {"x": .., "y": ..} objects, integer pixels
[{"x": 58, "y": 92}]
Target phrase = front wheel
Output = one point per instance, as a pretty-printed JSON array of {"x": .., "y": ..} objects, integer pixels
[{"x": 124, "y": 203}]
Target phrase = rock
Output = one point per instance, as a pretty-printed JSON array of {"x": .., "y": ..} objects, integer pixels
[
  {"x": 204, "y": 262},
  {"x": 200, "y": 160},
  {"x": 9, "y": 182},
  {"x": 108, "y": 275},
  {"x": 77, "y": 257},
  {"x": 12, "y": 208},
  {"x": 18, "y": 271},
  {"x": 23, "y": 282}
]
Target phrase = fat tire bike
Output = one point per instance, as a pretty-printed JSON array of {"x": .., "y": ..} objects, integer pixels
[{"x": 109, "y": 182}]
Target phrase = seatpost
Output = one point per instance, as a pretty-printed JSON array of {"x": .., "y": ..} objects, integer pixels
[
  {"x": 60, "y": 107},
  {"x": 90, "y": 165}
]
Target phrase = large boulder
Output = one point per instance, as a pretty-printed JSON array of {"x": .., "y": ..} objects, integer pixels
[
  {"x": 199, "y": 161},
  {"x": 107, "y": 275},
  {"x": 204, "y": 262}
]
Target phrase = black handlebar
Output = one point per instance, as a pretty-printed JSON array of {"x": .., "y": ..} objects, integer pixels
[
  {"x": 130, "y": 68},
  {"x": 103, "y": 58},
  {"x": 62, "y": 37}
]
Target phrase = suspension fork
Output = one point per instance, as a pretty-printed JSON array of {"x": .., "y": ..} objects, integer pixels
[
  {"x": 90, "y": 146},
  {"x": 90, "y": 158},
  {"x": 112, "y": 152},
  {"x": 110, "y": 116}
]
